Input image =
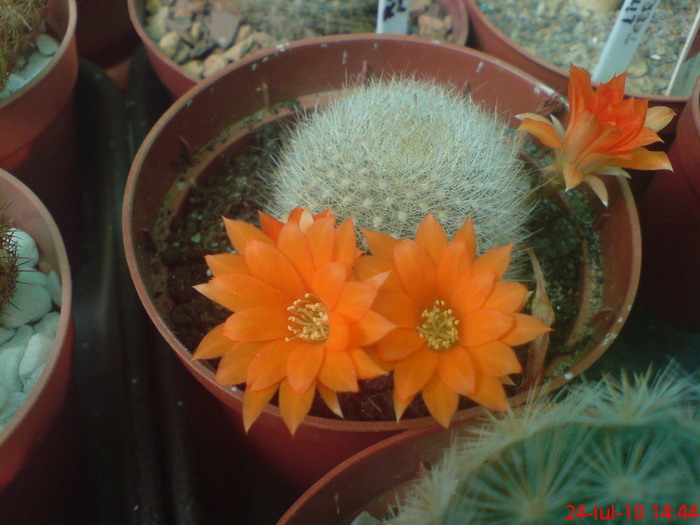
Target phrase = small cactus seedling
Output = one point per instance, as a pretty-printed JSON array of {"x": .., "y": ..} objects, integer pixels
[
  {"x": 394, "y": 150},
  {"x": 19, "y": 22},
  {"x": 8, "y": 263},
  {"x": 631, "y": 444}
]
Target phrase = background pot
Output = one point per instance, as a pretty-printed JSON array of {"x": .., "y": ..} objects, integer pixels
[
  {"x": 38, "y": 137},
  {"x": 670, "y": 213},
  {"x": 209, "y": 121},
  {"x": 24, "y": 432},
  {"x": 178, "y": 81},
  {"x": 485, "y": 36}
]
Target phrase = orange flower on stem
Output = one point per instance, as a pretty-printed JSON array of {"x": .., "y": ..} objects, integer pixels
[
  {"x": 606, "y": 133},
  {"x": 456, "y": 319},
  {"x": 300, "y": 322}
]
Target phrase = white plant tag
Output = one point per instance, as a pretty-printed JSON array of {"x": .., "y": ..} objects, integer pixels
[
  {"x": 687, "y": 68},
  {"x": 392, "y": 17},
  {"x": 627, "y": 33}
]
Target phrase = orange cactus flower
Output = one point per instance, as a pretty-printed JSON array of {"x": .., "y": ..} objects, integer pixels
[
  {"x": 300, "y": 321},
  {"x": 456, "y": 319},
  {"x": 605, "y": 135}
]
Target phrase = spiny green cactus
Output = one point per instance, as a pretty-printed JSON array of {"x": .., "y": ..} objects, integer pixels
[
  {"x": 19, "y": 22},
  {"x": 615, "y": 442},
  {"x": 8, "y": 263},
  {"x": 394, "y": 150},
  {"x": 287, "y": 20}
]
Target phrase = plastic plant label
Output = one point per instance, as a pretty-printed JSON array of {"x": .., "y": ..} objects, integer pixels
[
  {"x": 687, "y": 69},
  {"x": 392, "y": 17},
  {"x": 627, "y": 33}
]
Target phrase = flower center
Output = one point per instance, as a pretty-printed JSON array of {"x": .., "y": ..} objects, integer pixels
[
  {"x": 309, "y": 320},
  {"x": 439, "y": 327}
]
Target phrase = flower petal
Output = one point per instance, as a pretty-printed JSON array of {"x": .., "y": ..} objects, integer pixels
[
  {"x": 379, "y": 244},
  {"x": 294, "y": 245},
  {"x": 441, "y": 401},
  {"x": 507, "y": 296},
  {"x": 456, "y": 370},
  {"x": 398, "y": 308},
  {"x": 236, "y": 292},
  {"x": 471, "y": 293},
  {"x": 400, "y": 405},
  {"x": 339, "y": 333},
  {"x": 365, "y": 366},
  {"x": 257, "y": 325},
  {"x": 495, "y": 359},
  {"x": 355, "y": 300},
  {"x": 416, "y": 271},
  {"x": 399, "y": 344},
  {"x": 598, "y": 187},
  {"x": 431, "y": 236},
  {"x": 544, "y": 130},
  {"x": 483, "y": 326},
  {"x": 495, "y": 260},
  {"x": 270, "y": 226},
  {"x": 254, "y": 403},
  {"x": 214, "y": 344},
  {"x": 338, "y": 372},
  {"x": 269, "y": 366},
  {"x": 226, "y": 263},
  {"x": 295, "y": 406},
  {"x": 412, "y": 374},
  {"x": 489, "y": 392},
  {"x": 370, "y": 328},
  {"x": 643, "y": 159},
  {"x": 269, "y": 264},
  {"x": 327, "y": 283},
  {"x": 345, "y": 246},
  {"x": 368, "y": 266},
  {"x": 303, "y": 364},
  {"x": 321, "y": 239},
  {"x": 330, "y": 397},
  {"x": 658, "y": 117},
  {"x": 233, "y": 367},
  {"x": 524, "y": 330},
  {"x": 239, "y": 233},
  {"x": 455, "y": 264},
  {"x": 467, "y": 235}
]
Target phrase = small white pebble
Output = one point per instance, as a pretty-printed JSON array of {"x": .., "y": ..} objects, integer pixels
[
  {"x": 10, "y": 358},
  {"x": 48, "y": 324},
  {"x": 35, "y": 65},
  {"x": 31, "y": 381},
  {"x": 27, "y": 250},
  {"x": 4, "y": 396},
  {"x": 568, "y": 376},
  {"x": 29, "y": 303},
  {"x": 54, "y": 287},
  {"x": 47, "y": 45},
  {"x": 16, "y": 399},
  {"x": 5, "y": 335},
  {"x": 35, "y": 355}
]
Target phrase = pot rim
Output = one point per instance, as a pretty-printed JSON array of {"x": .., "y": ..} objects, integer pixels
[
  {"x": 505, "y": 39},
  {"x": 204, "y": 373},
  {"x": 64, "y": 332},
  {"x": 55, "y": 59}
]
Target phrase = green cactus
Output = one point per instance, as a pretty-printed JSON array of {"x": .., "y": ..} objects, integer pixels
[
  {"x": 8, "y": 263},
  {"x": 287, "y": 20},
  {"x": 616, "y": 442},
  {"x": 392, "y": 151},
  {"x": 20, "y": 21}
]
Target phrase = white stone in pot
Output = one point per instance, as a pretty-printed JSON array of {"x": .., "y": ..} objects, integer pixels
[{"x": 30, "y": 302}]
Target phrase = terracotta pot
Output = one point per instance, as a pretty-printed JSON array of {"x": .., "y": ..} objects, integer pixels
[
  {"x": 24, "y": 432},
  {"x": 485, "y": 36},
  {"x": 670, "y": 214},
  {"x": 209, "y": 120},
  {"x": 178, "y": 82},
  {"x": 38, "y": 137}
]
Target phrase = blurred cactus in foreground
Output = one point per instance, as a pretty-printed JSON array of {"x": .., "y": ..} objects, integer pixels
[{"x": 19, "y": 22}]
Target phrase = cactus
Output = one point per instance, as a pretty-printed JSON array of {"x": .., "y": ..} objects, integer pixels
[
  {"x": 393, "y": 150},
  {"x": 616, "y": 442},
  {"x": 8, "y": 263},
  {"x": 19, "y": 22},
  {"x": 287, "y": 20}
]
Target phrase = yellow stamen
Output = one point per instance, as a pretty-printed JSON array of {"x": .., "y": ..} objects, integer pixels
[
  {"x": 310, "y": 320},
  {"x": 439, "y": 328}
]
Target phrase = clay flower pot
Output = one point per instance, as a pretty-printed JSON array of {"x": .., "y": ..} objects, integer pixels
[
  {"x": 25, "y": 430},
  {"x": 38, "y": 137},
  {"x": 177, "y": 81},
  {"x": 486, "y": 37},
  {"x": 213, "y": 118},
  {"x": 670, "y": 215}
]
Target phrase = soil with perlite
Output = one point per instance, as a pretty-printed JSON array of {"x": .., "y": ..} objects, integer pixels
[{"x": 234, "y": 191}]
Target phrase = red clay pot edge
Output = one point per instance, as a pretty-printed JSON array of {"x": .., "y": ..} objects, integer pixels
[
  {"x": 36, "y": 413},
  {"x": 46, "y": 94},
  {"x": 178, "y": 81},
  {"x": 205, "y": 375}
]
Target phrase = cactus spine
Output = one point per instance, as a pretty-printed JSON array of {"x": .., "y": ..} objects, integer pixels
[
  {"x": 8, "y": 263},
  {"x": 19, "y": 22},
  {"x": 615, "y": 442},
  {"x": 392, "y": 151}
]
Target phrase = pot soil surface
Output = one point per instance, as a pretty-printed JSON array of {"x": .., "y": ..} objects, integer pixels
[
  {"x": 565, "y": 31},
  {"x": 563, "y": 234}
]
